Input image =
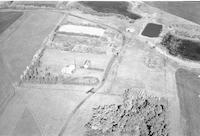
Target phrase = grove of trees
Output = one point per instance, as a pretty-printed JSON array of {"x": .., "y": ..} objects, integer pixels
[{"x": 139, "y": 115}]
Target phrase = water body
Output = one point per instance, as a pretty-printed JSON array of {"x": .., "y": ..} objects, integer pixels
[
  {"x": 188, "y": 85},
  {"x": 116, "y": 7},
  {"x": 152, "y": 30},
  {"x": 189, "y": 10}
]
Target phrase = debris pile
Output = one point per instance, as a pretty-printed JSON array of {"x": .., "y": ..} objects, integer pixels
[{"x": 139, "y": 115}]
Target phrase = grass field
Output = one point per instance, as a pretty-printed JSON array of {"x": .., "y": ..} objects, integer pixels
[
  {"x": 188, "y": 85},
  {"x": 19, "y": 48},
  {"x": 185, "y": 9},
  {"x": 6, "y": 88},
  {"x": 8, "y": 18}
]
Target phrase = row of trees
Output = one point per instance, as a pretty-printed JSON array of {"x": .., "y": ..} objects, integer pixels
[{"x": 35, "y": 74}]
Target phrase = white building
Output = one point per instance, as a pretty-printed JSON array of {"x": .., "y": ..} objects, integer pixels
[
  {"x": 69, "y": 28},
  {"x": 87, "y": 64},
  {"x": 68, "y": 70}
]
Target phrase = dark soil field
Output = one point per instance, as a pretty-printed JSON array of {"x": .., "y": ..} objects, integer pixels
[
  {"x": 111, "y": 7},
  {"x": 188, "y": 85},
  {"x": 190, "y": 50},
  {"x": 187, "y": 49},
  {"x": 7, "y": 18},
  {"x": 152, "y": 30},
  {"x": 186, "y": 9}
]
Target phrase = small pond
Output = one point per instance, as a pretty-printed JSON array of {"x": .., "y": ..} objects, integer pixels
[
  {"x": 117, "y": 7},
  {"x": 152, "y": 30}
]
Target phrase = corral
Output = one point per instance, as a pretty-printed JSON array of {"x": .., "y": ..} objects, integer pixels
[{"x": 78, "y": 43}]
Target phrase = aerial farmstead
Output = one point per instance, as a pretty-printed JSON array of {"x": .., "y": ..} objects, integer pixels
[{"x": 94, "y": 68}]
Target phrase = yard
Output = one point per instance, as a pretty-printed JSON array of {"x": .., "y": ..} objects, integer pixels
[{"x": 55, "y": 60}]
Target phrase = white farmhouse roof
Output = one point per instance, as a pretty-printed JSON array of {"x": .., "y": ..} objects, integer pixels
[
  {"x": 68, "y": 69},
  {"x": 81, "y": 29}
]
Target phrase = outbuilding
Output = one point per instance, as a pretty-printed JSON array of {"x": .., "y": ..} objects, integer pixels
[
  {"x": 131, "y": 30},
  {"x": 87, "y": 64}
]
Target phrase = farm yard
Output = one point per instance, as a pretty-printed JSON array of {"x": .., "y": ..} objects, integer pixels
[
  {"x": 97, "y": 68},
  {"x": 54, "y": 61}
]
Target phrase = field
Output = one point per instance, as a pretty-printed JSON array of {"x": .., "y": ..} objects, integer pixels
[
  {"x": 186, "y": 49},
  {"x": 6, "y": 87},
  {"x": 8, "y": 18},
  {"x": 51, "y": 4},
  {"x": 112, "y": 7},
  {"x": 185, "y": 9},
  {"x": 188, "y": 85},
  {"x": 19, "y": 48}
]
